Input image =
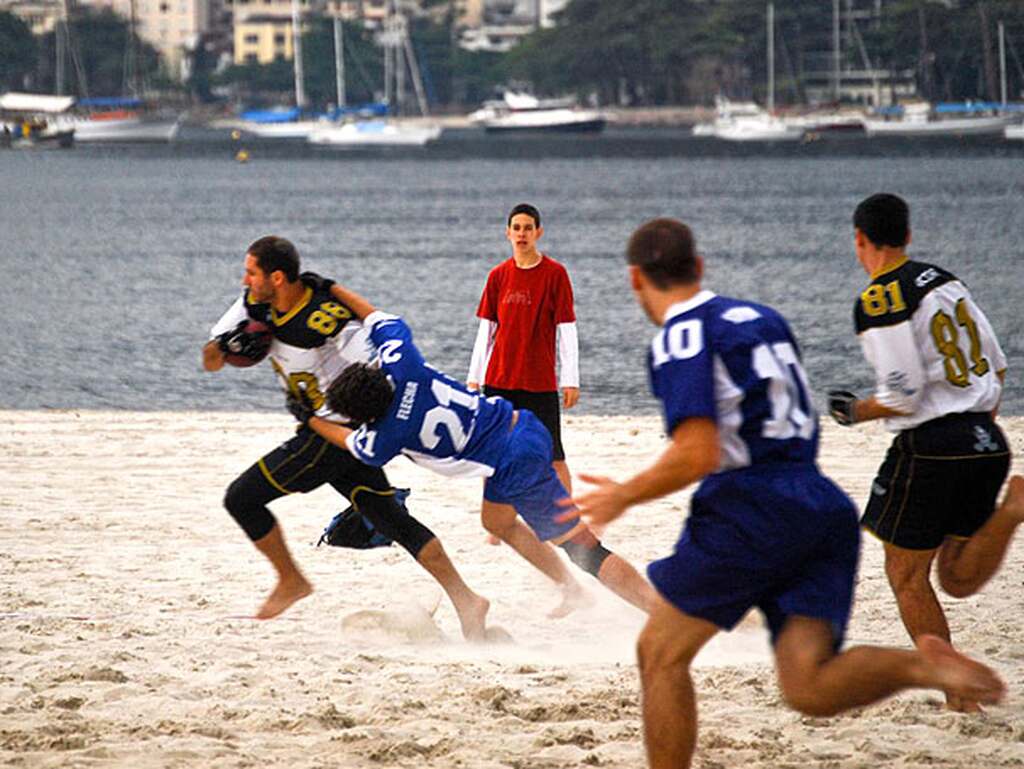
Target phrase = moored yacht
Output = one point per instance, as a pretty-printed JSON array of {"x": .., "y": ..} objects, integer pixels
[{"x": 523, "y": 112}]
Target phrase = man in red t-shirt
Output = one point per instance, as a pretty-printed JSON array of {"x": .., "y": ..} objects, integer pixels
[{"x": 526, "y": 321}]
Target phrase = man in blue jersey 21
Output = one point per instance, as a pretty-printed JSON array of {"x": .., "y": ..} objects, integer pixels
[
  {"x": 405, "y": 406},
  {"x": 766, "y": 528}
]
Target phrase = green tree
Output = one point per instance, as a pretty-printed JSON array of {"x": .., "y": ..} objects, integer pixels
[{"x": 20, "y": 51}]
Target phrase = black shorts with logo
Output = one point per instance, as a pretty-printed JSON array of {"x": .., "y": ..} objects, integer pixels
[
  {"x": 939, "y": 479},
  {"x": 545, "y": 406}
]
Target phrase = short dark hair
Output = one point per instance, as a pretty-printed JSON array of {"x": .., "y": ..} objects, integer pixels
[
  {"x": 361, "y": 392},
  {"x": 273, "y": 253},
  {"x": 525, "y": 208},
  {"x": 884, "y": 218},
  {"x": 665, "y": 251}
]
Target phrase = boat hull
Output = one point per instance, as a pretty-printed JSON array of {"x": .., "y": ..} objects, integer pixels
[
  {"x": 590, "y": 125},
  {"x": 956, "y": 127},
  {"x": 126, "y": 130},
  {"x": 373, "y": 134}
]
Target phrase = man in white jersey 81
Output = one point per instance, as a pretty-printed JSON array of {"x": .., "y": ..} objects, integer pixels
[{"x": 939, "y": 373}]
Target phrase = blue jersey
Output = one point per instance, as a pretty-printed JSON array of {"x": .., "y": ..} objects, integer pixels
[
  {"x": 434, "y": 420},
  {"x": 738, "y": 364}
]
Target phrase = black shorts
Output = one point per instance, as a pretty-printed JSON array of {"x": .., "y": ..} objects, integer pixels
[
  {"x": 307, "y": 461},
  {"x": 938, "y": 480},
  {"x": 545, "y": 406}
]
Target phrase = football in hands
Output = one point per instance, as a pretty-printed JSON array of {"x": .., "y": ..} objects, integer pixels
[{"x": 248, "y": 344}]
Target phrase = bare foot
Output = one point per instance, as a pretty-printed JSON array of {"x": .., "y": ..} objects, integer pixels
[
  {"x": 573, "y": 597},
  {"x": 1013, "y": 501},
  {"x": 958, "y": 675},
  {"x": 960, "y": 705},
  {"x": 492, "y": 540},
  {"x": 473, "y": 618},
  {"x": 285, "y": 593}
]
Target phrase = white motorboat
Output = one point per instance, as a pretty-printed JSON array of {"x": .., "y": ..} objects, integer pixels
[
  {"x": 746, "y": 121},
  {"x": 374, "y": 133},
  {"x": 918, "y": 119},
  {"x": 523, "y": 112},
  {"x": 35, "y": 121},
  {"x": 288, "y": 129},
  {"x": 1015, "y": 131}
]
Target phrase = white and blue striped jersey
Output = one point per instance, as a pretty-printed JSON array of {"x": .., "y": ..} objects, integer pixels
[
  {"x": 434, "y": 420},
  {"x": 737, "y": 363}
]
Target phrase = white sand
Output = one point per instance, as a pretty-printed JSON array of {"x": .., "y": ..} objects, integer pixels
[{"x": 123, "y": 640}]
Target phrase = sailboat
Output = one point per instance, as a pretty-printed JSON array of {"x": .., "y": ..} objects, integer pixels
[
  {"x": 284, "y": 123},
  {"x": 354, "y": 132},
  {"x": 751, "y": 123},
  {"x": 124, "y": 119}
]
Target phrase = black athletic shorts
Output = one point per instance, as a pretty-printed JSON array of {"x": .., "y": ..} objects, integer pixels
[
  {"x": 938, "y": 480},
  {"x": 307, "y": 461},
  {"x": 545, "y": 406}
]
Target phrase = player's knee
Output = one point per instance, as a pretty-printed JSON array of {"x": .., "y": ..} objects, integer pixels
[
  {"x": 661, "y": 653},
  {"x": 501, "y": 526},
  {"x": 256, "y": 520},
  {"x": 589, "y": 556},
  {"x": 956, "y": 587},
  {"x": 390, "y": 517}
]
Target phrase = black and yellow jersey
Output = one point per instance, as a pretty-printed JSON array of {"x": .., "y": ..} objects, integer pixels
[
  {"x": 313, "y": 342},
  {"x": 932, "y": 349}
]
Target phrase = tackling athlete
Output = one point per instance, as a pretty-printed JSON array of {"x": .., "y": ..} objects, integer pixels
[
  {"x": 766, "y": 529},
  {"x": 407, "y": 407},
  {"x": 939, "y": 374},
  {"x": 315, "y": 336}
]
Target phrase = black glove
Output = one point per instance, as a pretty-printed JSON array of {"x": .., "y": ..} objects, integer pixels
[
  {"x": 316, "y": 282},
  {"x": 300, "y": 408},
  {"x": 241, "y": 342},
  {"x": 840, "y": 406}
]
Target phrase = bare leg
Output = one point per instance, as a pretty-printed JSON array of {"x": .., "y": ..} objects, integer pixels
[
  {"x": 817, "y": 682},
  {"x": 291, "y": 585},
  {"x": 922, "y": 614},
  {"x": 619, "y": 576},
  {"x": 666, "y": 647},
  {"x": 502, "y": 522},
  {"x": 965, "y": 566},
  {"x": 470, "y": 607}
]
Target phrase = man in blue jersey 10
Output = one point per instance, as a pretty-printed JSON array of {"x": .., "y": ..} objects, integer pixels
[
  {"x": 766, "y": 528},
  {"x": 405, "y": 406}
]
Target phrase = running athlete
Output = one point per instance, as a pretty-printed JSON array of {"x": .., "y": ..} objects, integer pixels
[
  {"x": 939, "y": 374},
  {"x": 766, "y": 529},
  {"x": 407, "y": 407},
  {"x": 526, "y": 318},
  {"x": 315, "y": 337}
]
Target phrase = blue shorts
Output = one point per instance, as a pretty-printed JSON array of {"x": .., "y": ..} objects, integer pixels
[
  {"x": 783, "y": 538},
  {"x": 525, "y": 479}
]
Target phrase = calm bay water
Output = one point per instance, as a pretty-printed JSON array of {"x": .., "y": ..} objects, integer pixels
[{"x": 117, "y": 260}]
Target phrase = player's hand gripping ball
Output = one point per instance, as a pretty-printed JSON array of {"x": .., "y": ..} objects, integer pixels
[{"x": 247, "y": 344}]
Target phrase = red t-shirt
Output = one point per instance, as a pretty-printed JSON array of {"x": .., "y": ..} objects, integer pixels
[{"x": 527, "y": 305}]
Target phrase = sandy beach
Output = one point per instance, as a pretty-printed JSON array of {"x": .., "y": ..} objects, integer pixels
[{"x": 125, "y": 639}]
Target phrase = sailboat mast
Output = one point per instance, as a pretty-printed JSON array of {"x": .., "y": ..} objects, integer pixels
[
  {"x": 130, "y": 76},
  {"x": 300, "y": 90},
  {"x": 836, "y": 52},
  {"x": 339, "y": 60},
  {"x": 771, "y": 57},
  {"x": 1002, "y": 63}
]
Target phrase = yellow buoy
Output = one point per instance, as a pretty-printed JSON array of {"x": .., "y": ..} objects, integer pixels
[{"x": 242, "y": 156}]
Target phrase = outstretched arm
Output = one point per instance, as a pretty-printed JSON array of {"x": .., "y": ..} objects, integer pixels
[
  {"x": 692, "y": 454},
  {"x": 331, "y": 431},
  {"x": 358, "y": 305}
]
